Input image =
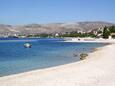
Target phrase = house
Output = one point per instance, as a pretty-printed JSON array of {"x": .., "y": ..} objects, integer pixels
[
  {"x": 94, "y": 31},
  {"x": 56, "y": 34},
  {"x": 80, "y": 31},
  {"x": 112, "y": 35}
]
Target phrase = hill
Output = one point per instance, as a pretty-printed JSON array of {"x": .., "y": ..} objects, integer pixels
[{"x": 52, "y": 27}]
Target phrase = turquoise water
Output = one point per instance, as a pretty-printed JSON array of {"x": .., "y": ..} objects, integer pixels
[{"x": 14, "y": 58}]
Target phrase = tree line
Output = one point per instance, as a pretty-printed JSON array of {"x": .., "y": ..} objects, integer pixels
[
  {"x": 107, "y": 31},
  {"x": 104, "y": 33}
]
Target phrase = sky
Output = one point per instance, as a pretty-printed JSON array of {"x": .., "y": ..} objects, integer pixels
[{"x": 18, "y": 12}]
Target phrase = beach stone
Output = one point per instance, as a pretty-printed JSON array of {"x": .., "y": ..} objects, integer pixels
[{"x": 83, "y": 56}]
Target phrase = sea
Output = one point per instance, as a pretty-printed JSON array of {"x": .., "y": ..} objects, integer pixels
[{"x": 44, "y": 53}]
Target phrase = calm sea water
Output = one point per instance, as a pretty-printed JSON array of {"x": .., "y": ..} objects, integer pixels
[{"x": 14, "y": 58}]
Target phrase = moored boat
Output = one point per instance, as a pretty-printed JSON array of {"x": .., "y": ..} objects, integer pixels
[{"x": 27, "y": 45}]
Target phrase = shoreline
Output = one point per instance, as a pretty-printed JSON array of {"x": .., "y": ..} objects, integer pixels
[
  {"x": 37, "y": 70},
  {"x": 68, "y": 72},
  {"x": 89, "y": 40}
]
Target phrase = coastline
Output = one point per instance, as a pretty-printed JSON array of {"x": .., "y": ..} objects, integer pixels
[
  {"x": 89, "y": 40},
  {"x": 94, "y": 71}
]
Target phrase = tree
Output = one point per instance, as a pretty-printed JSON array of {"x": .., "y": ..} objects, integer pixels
[
  {"x": 112, "y": 29},
  {"x": 106, "y": 32}
]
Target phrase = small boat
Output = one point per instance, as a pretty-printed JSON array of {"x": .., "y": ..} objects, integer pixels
[{"x": 27, "y": 45}]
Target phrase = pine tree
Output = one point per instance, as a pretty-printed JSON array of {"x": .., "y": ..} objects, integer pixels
[{"x": 106, "y": 32}]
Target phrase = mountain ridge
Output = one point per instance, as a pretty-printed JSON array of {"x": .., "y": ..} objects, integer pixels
[{"x": 53, "y": 27}]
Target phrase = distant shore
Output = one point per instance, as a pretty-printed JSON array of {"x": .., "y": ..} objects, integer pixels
[
  {"x": 97, "y": 70},
  {"x": 90, "y": 40}
]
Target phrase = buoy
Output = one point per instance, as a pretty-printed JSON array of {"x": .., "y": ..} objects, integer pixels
[{"x": 27, "y": 45}]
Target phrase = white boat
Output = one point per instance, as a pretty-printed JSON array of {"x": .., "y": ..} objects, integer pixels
[{"x": 27, "y": 45}]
